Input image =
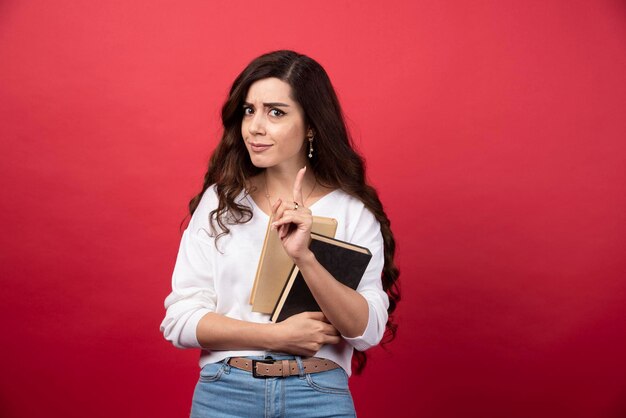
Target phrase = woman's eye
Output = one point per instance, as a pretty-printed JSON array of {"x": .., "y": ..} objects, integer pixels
[
  {"x": 247, "y": 110},
  {"x": 276, "y": 112}
]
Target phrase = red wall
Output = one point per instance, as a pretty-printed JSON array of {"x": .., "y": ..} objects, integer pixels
[{"x": 495, "y": 134}]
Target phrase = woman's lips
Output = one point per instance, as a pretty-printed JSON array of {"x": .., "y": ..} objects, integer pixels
[{"x": 259, "y": 147}]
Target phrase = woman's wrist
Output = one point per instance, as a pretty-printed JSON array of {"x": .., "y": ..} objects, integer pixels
[
  {"x": 305, "y": 259},
  {"x": 271, "y": 336}
]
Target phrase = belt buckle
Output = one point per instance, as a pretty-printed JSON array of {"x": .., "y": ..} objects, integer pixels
[{"x": 254, "y": 363}]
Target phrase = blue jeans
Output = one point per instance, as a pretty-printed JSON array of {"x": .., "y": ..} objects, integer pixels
[{"x": 223, "y": 391}]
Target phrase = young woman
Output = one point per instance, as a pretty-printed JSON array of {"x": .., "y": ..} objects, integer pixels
[{"x": 285, "y": 152}]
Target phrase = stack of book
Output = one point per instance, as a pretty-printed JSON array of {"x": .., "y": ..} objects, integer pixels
[{"x": 279, "y": 288}]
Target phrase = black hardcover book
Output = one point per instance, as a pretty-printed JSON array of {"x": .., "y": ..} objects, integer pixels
[{"x": 346, "y": 262}]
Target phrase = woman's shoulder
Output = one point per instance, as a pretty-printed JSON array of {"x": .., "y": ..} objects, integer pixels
[
  {"x": 208, "y": 202},
  {"x": 209, "y": 199},
  {"x": 356, "y": 222},
  {"x": 346, "y": 206},
  {"x": 345, "y": 199}
]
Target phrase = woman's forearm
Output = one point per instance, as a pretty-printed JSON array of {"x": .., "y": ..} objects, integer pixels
[
  {"x": 219, "y": 332},
  {"x": 344, "y": 307},
  {"x": 301, "y": 334}
]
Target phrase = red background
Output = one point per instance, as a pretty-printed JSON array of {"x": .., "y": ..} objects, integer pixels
[{"x": 494, "y": 131}]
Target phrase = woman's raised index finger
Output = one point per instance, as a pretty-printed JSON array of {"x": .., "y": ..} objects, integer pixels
[{"x": 297, "y": 186}]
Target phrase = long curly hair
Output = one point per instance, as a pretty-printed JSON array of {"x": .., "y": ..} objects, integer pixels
[{"x": 335, "y": 162}]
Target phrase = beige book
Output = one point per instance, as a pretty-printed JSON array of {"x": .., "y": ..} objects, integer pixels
[{"x": 275, "y": 265}]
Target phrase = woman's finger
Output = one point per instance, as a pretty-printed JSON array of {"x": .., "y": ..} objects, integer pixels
[
  {"x": 331, "y": 339},
  {"x": 330, "y": 330},
  {"x": 280, "y": 210},
  {"x": 317, "y": 315},
  {"x": 297, "y": 187},
  {"x": 282, "y": 231},
  {"x": 286, "y": 219},
  {"x": 299, "y": 213},
  {"x": 275, "y": 207}
]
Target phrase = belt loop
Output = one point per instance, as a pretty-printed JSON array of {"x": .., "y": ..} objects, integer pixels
[
  {"x": 226, "y": 365},
  {"x": 285, "y": 368},
  {"x": 300, "y": 366}
]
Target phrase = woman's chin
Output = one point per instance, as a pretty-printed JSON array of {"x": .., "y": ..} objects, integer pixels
[{"x": 260, "y": 163}]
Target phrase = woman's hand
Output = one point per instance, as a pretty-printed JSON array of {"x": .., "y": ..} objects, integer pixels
[
  {"x": 304, "y": 334},
  {"x": 294, "y": 225}
]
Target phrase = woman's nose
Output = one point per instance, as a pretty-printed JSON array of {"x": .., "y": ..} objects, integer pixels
[{"x": 257, "y": 124}]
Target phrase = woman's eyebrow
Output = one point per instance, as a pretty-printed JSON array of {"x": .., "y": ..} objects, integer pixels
[{"x": 272, "y": 104}]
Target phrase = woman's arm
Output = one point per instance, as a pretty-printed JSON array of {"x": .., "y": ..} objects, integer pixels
[
  {"x": 302, "y": 334},
  {"x": 344, "y": 307},
  {"x": 191, "y": 321},
  {"x": 359, "y": 315}
]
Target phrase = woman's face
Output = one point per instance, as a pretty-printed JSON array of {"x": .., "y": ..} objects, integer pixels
[{"x": 273, "y": 125}]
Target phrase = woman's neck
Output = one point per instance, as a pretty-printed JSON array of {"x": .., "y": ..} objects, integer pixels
[{"x": 280, "y": 182}]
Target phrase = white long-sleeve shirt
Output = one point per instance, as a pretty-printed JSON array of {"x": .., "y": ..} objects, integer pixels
[{"x": 209, "y": 279}]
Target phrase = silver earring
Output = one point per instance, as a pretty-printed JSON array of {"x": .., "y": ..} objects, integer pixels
[{"x": 311, "y": 147}]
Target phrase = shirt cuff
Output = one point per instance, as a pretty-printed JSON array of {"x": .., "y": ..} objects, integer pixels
[
  {"x": 369, "y": 338},
  {"x": 188, "y": 336}
]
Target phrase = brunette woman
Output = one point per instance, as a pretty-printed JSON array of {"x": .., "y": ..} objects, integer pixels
[{"x": 285, "y": 151}]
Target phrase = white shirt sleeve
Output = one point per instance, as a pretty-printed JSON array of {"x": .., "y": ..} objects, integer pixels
[
  {"x": 193, "y": 293},
  {"x": 367, "y": 234}
]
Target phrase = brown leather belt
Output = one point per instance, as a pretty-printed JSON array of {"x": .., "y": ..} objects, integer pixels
[{"x": 281, "y": 368}]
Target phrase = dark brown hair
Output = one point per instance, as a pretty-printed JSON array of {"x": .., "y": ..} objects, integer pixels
[{"x": 335, "y": 162}]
